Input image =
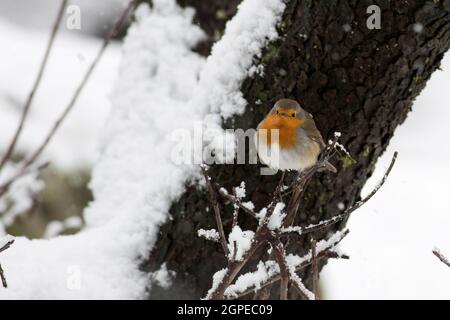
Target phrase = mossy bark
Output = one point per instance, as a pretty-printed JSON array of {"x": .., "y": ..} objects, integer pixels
[{"x": 357, "y": 81}]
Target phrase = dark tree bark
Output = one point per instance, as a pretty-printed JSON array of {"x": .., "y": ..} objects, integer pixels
[{"x": 354, "y": 80}]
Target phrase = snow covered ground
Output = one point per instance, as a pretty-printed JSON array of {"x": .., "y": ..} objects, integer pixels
[{"x": 392, "y": 236}]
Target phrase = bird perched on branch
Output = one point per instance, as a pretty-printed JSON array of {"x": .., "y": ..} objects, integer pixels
[{"x": 288, "y": 138}]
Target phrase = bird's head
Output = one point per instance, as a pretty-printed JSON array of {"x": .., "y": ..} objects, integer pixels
[{"x": 288, "y": 108}]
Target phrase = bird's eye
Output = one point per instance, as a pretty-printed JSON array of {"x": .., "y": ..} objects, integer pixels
[
  {"x": 278, "y": 111},
  {"x": 293, "y": 115}
]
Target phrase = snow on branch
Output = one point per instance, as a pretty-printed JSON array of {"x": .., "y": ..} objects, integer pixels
[
  {"x": 264, "y": 276},
  {"x": 211, "y": 234},
  {"x": 275, "y": 224}
]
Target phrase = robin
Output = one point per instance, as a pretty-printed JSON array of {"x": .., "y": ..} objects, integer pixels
[{"x": 297, "y": 137}]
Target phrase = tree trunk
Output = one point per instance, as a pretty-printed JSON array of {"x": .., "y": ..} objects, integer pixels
[{"x": 357, "y": 81}]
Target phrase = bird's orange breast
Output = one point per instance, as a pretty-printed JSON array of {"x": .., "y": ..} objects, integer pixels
[{"x": 287, "y": 130}]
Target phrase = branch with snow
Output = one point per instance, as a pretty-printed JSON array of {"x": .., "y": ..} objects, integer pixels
[
  {"x": 275, "y": 224},
  {"x": 211, "y": 234},
  {"x": 266, "y": 274}
]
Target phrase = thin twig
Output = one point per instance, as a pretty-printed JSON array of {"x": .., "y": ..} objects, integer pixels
[
  {"x": 215, "y": 205},
  {"x": 280, "y": 256},
  {"x": 3, "y": 278},
  {"x": 233, "y": 258},
  {"x": 315, "y": 269},
  {"x": 235, "y": 209},
  {"x": 441, "y": 257},
  {"x": 301, "y": 288},
  {"x": 326, "y": 223},
  {"x": 6, "y": 245},
  {"x": 10, "y": 150},
  {"x": 276, "y": 195},
  {"x": 2, "y": 273},
  {"x": 235, "y": 201}
]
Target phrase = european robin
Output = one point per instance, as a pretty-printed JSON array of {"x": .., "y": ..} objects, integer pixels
[{"x": 299, "y": 141}]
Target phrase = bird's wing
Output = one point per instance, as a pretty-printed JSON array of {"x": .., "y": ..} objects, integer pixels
[{"x": 310, "y": 127}]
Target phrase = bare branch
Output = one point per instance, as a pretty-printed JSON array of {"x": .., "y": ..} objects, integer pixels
[
  {"x": 236, "y": 209},
  {"x": 215, "y": 205},
  {"x": 326, "y": 223},
  {"x": 275, "y": 197},
  {"x": 441, "y": 257},
  {"x": 3, "y": 278},
  {"x": 2, "y": 273},
  {"x": 235, "y": 201},
  {"x": 315, "y": 269},
  {"x": 232, "y": 270},
  {"x": 280, "y": 256},
  {"x": 10, "y": 150},
  {"x": 7, "y": 245},
  {"x": 301, "y": 288}
]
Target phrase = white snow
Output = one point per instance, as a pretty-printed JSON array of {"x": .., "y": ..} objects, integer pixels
[
  {"x": 264, "y": 271},
  {"x": 249, "y": 205},
  {"x": 298, "y": 281},
  {"x": 228, "y": 66},
  {"x": 268, "y": 269},
  {"x": 217, "y": 279},
  {"x": 211, "y": 234},
  {"x": 277, "y": 217},
  {"x": 240, "y": 191},
  {"x": 132, "y": 183},
  {"x": 243, "y": 240},
  {"x": 162, "y": 86},
  {"x": 54, "y": 228},
  {"x": 163, "y": 277}
]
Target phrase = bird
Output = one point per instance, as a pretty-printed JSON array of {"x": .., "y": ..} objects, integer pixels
[{"x": 299, "y": 141}]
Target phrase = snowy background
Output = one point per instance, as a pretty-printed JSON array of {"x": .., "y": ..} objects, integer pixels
[
  {"x": 392, "y": 236},
  {"x": 390, "y": 239}
]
